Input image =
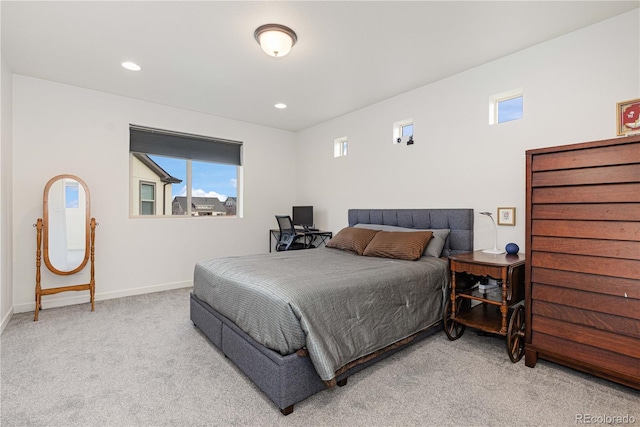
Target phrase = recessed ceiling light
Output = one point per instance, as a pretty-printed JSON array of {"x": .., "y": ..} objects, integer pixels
[
  {"x": 131, "y": 66},
  {"x": 280, "y": 105}
]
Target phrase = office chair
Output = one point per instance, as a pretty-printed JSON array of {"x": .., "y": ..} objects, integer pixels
[{"x": 288, "y": 239}]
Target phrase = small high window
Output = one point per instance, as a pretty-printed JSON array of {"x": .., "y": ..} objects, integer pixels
[
  {"x": 506, "y": 106},
  {"x": 402, "y": 131},
  {"x": 407, "y": 130},
  {"x": 340, "y": 147}
]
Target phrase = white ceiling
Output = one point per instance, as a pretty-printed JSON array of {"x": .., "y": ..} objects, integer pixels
[{"x": 202, "y": 56}]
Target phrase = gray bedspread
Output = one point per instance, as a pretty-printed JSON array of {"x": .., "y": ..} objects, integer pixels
[{"x": 338, "y": 305}]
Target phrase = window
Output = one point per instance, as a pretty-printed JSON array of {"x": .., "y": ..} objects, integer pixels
[
  {"x": 147, "y": 198},
  {"x": 71, "y": 194},
  {"x": 403, "y": 131},
  {"x": 177, "y": 174},
  {"x": 406, "y": 130},
  {"x": 340, "y": 147},
  {"x": 506, "y": 106}
]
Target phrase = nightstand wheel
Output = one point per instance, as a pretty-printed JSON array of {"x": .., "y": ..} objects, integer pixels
[
  {"x": 453, "y": 329},
  {"x": 515, "y": 334}
]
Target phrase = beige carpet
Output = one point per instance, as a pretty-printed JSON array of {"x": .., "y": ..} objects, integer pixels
[{"x": 139, "y": 361}]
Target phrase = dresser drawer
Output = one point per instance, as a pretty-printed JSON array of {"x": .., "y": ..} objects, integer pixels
[
  {"x": 593, "y": 319},
  {"x": 601, "y": 303},
  {"x": 580, "y": 355}
]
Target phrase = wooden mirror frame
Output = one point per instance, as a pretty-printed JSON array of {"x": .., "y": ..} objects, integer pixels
[
  {"x": 43, "y": 225},
  {"x": 87, "y": 204}
]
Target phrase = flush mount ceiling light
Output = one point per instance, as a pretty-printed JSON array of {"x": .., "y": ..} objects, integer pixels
[
  {"x": 276, "y": 40},
  {"x": 131, "y": 66},
  {"x": 280, "y": 105}
]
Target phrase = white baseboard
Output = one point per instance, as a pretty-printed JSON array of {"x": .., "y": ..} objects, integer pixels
[
  {"x": 6, "y": 319},
  {"x": 83, "y": 297}
]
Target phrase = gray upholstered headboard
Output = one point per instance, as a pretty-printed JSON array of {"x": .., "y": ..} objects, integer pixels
[{"x": 459, "y": 221}]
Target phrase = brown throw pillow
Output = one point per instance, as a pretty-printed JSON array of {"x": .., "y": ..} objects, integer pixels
[
  {"x": 398, "y": 245},
  {"x": 352, "y": 239}
]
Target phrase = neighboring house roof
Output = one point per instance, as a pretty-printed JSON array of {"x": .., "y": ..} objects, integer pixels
[
  {"x": 230, "y": 204},
  {"x": 198, "y": 204},
  {"x": 164, "y": 176}
]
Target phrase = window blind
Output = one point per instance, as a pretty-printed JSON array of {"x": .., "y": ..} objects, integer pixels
[{"x": 184, "y": 146}]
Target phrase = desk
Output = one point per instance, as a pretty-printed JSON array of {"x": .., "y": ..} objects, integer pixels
[{"x": 311, "y": 237}]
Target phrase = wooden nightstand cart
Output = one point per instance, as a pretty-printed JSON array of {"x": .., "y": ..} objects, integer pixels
[{"x": 497, "y": 310}]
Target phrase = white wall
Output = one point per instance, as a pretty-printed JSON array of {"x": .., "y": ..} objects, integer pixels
[
  {"x": 61, "y": 129},
  {"x": 6, "y": 232},
  {"x": 571, "y": 87}
]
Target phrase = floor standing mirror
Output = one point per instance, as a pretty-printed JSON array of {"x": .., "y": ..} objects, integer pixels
[{"x": 68, "y": 234}]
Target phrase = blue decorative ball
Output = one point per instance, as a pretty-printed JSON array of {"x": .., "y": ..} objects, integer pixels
[{"x": 512, "y": 248}]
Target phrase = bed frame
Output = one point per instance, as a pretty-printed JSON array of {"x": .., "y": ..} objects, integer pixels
[{"x": 289, "y": 379}]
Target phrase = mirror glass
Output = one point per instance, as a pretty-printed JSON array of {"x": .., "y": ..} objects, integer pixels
[{"x": 66, "y": 224}]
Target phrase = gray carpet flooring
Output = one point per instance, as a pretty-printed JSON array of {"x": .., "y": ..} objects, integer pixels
[{"x": 139, "y": 361}]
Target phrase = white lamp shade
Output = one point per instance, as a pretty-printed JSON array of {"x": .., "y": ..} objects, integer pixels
[
  {"x": 275, "y": 43},
  {"x": 276, "y": 40}
]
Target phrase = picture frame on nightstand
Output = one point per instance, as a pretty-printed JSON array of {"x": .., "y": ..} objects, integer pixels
[{"x": 506, "y": 216}]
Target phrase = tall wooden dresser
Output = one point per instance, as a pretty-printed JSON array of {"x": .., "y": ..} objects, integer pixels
[{"x": 582, "y": 273}]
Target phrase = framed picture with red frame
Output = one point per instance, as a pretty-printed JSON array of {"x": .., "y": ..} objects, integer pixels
[{"x": 628, "y": 117}]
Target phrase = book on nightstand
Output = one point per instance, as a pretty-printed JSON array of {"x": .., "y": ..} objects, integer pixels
[{"x": 485, "y": 286}]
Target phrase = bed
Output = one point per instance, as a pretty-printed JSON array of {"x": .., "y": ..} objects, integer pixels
[{"x": 298, "y": 322}]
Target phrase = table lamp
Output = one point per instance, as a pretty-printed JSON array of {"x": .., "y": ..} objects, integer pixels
[{"x": 495, "y": 249}]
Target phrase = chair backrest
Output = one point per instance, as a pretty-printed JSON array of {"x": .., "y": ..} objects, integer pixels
[
  {"x": 287, "y": 232},
  {"x": 285, "y": 224}
]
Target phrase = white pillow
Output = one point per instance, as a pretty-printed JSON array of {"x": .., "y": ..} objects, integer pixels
[{"x": 435, "y": 246}]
